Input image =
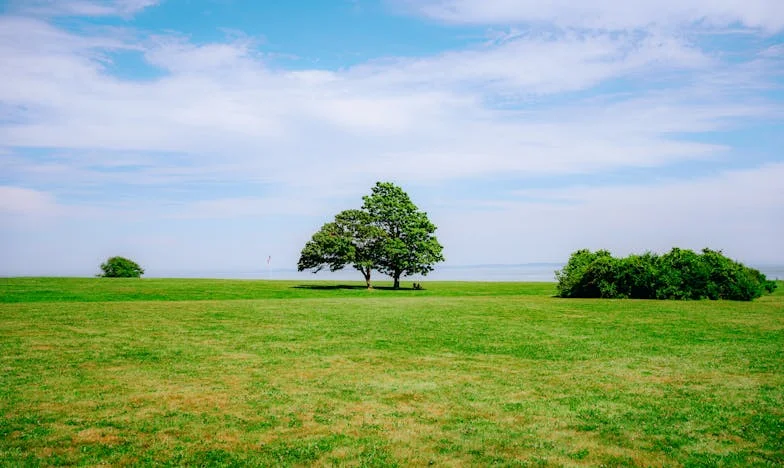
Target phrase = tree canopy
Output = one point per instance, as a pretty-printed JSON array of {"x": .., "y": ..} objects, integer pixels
[
  {"x": 388, "y": 234},
  {"x": 351, "y": 239},
  {"x": 409, "y": 245},
  {"x": 121, "y": 267}
]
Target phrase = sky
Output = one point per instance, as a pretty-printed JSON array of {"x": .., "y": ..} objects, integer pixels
[{"x": 210, "y": 135}]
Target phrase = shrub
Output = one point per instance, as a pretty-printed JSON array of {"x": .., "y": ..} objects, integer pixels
[
  {"x": 570, "y": 279},
  {"x": 681, "y": 275},
  {"x": 678, "y": 274},
  {"x": 637, "y": 275},
  {"x": 120, "y": 267}
]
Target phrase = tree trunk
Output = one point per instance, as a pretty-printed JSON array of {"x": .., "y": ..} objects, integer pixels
[
  {"x": 397, "y": 281},
  {"x": 367, "y": 278}
]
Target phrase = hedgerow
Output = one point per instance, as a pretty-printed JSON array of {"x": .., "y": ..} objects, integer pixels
[{"x": 678, "y": 274}]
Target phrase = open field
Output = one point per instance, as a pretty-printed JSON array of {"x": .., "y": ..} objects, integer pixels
[
  {"x": 102, "y": 371},
  {"x": 119, "y": 289}
]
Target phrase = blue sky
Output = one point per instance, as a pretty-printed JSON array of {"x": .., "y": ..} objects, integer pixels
[{"x": 207, "y": 135}]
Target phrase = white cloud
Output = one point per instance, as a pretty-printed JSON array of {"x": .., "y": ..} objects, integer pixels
[
  {"x": 179, "y": 56},
  {"x": 739, "y": 211},
  {"x": 21, "y": 206},
  {"x": 767, "y": 15},
  {"x": 19, "y": 200},
  {"x": 83, "y": 7},
  {"x": 774, "y": 51},
  {"x": 731, "y": 190},
  {"x": 242, "y": 207},
  {"x": 429, "y": 118},
  {"x": 536, "y": 64}
]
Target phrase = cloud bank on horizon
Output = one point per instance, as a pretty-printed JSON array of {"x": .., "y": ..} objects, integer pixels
[{"x": 209, "y": 136}]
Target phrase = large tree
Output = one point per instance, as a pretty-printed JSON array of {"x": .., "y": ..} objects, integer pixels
[
  {"x": 351, "y": 239},
  {"x": 409, "y": 245},
  {"x": 389, "y": 234}
]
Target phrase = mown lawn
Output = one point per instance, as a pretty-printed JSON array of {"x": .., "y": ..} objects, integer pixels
[{"x": 190, "y": 372}]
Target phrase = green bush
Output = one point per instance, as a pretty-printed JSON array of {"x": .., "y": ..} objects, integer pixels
[
  {"x": 120, "y": 267},
  {"x": 678, "y": 274}
]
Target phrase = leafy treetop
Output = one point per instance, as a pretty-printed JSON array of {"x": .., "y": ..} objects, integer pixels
[
  {"x": 121, "y": 267},
  {"x": 389, "y": 234},
  {"x": 409, "y": 245},
  {"x": 351, "y": 239}
]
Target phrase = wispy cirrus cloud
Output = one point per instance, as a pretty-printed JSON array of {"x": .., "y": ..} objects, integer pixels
[
  {"x": 19, "y": 200},
  {"x": 533, "y": 64},
  {"x": 767, "y": 15},
  {"x": 81, "y": 7},
  {"x": 628, "y": 218}
]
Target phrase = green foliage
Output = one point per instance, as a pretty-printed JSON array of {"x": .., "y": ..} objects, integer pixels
[
  {"x": 351, "y": 239},
  {"x": 678, "y": 274},
  {"x": 389, "y": 234},
  {"x": 408, "y": 245},
  {"x": 121, "y": 267}
]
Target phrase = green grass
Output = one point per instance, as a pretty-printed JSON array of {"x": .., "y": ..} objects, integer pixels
[
  {"x": 100, "y": 371},
  {"x": 134, "y": 289}
]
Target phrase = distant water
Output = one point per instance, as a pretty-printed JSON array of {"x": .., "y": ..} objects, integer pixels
[
  {"x": 521, "y": 272},
  {"x": 774, "y": 272},
  {"x": 527, "y": 272}
]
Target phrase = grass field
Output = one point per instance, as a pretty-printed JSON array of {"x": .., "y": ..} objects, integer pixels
[{"x": 190, "y": 372}]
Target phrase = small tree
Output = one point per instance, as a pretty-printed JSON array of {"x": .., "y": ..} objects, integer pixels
[
  {"x": 351, "y": 239},
  {"x": 409, "y": 245},
  {"x": 120, "y": 267}
]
